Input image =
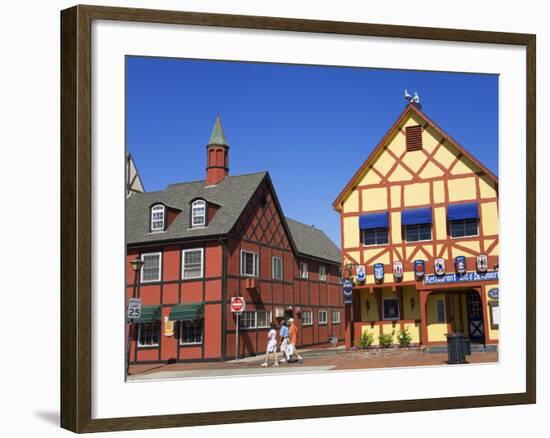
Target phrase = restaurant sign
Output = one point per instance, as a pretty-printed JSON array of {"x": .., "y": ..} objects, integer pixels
[{"x": 459, "y": 278}]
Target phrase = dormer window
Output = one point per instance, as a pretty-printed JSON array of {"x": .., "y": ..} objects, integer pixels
[
  {"x": 158, "y": 217},
  {"x": 198, "y": 213}
]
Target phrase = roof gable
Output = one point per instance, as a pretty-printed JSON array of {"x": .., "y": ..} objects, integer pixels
[{"x": 390, "y": 161}]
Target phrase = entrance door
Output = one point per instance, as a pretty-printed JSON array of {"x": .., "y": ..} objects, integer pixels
[{"x": 475, "y": 316}]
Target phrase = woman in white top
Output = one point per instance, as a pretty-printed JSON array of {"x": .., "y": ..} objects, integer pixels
[{"x": 271, "y": 346}]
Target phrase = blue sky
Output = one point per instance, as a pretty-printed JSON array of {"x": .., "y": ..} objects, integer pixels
[{"x": 311, "y": 127}]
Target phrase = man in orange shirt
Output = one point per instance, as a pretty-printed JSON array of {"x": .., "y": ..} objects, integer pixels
[{"x": 293, "y": 334}]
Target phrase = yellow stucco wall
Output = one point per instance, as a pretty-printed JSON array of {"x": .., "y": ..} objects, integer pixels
[
  {"x": 493, "y": 332},
  {"x": 436, "y": 331},
  {"x": 489, "y": 217},
  {"x": 351, "y": 232},
  {"x": 462, "y": 189},
  {"x": 417, "y": 194},
  {"x": 351, "y": 204},
  {"x": 375, "y": 199},
  {"x": 440, "y": 215}
]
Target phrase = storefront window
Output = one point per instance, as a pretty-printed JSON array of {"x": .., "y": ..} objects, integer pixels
[
  {"x": 149, "y": 334},
  {"x": 191, "y": 332},
  {"x": 391, "y": 308}
]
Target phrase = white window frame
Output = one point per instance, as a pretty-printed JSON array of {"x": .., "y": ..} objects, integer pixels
[
  {"x": 323, "y": 276},
  {"x": 269, "y": 318},
  {"x": 199, "y": 203},
  {"x": 304, "y": 273},
  {"x": 156, "y": 209},
  {"x": 183, "y": 252},
  {"x": 143, "y": 267},
  {"x": 437, "y": 301},
  {"x": 256, "y": 263},
  {"x": 180, "y": 334},
  {"x": 241, "y": 319},
  {"x": 304, "y": 322},
  {"x": 273, "y": 259},
  {"x": 324, "y": 312},
  {"x": 384, "y": 318},
  {"x": 450, "y": 223},
  {"x": 139, "y": 344},
  {"x": 335, "y": 312}
]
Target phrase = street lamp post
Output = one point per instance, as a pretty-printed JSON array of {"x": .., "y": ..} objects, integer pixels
[{"x": 136, "y": 265}]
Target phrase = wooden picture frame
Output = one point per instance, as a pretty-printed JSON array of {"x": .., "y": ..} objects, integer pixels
[{"x": 76, "y": 217}]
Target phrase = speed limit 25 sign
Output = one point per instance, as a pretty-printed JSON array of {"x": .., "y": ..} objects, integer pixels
[{"x": 134, "y": 308}]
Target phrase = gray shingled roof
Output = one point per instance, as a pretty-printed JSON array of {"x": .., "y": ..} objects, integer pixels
[
  {"x": 231, "y": 194},
  {"x": 312, "y": 241}
]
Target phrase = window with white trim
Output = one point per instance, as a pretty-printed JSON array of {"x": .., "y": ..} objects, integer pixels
[
  {"x": 336, "y": 317},
  {"x": 249, "y": 263},
  {"x": 150, "y": 270},
  {"x": 463, "y": 228},
  {"x": 304, "y": 273},
  {"x": 277, "y": 268},
  {"x": 255, "y": 319},
  {"x": 323, "y": 316},
  {"x": 390, "y": 308},
  {"x": 418, "y": 232},
  {"x": 191, "y": 332},
  {"x": 198, "y": 213},
  {"x": 192, "y": 263},
  {"x": 307, "y": 317},
  {"x": 157, "y": 217},
  {"x": 322, "y": 273},
  {"x": 149, "y": 334}
]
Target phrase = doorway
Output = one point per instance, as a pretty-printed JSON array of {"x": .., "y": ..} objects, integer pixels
[{"x": 475, "y": 317}]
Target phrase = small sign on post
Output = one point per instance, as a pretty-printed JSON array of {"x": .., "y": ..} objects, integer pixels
[
  {"x": 238, "y": 304},
  {"x": 134, "y": 308}
]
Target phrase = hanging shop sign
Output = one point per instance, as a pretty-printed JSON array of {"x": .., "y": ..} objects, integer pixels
[
  {"x": 378, "y": 272},
  {"x": 168, "y": 327},
  {"x": 439, "y": 266},
  {"x": 481, "y": 263},
  {"x": 419, "y": 268},
  {"x": 460, "y": 264},
  {"x": 398, "y": 270},
  {"x": 361, "y": 273},
  {"x": 460, "y": 278},
  {"x": 348, "y": 290},
  {"x": 493, "y": 293}
]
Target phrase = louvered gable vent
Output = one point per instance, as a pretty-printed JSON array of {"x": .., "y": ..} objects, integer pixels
[{"x": 414, "y": 137}]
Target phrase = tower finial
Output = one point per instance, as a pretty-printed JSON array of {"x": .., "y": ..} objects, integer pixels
[{"x": 218, "y": 136}]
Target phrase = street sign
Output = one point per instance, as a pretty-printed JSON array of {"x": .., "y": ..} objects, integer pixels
[
  {"x": 348, "y": 291},
  {"x": 134, "y": 308},
  {"x": 238, "y": 304}
]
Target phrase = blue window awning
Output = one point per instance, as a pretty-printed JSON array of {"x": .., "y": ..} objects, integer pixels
[
  {"x": 462, "y": 211},
  {"x": 415, "y": 216},
  {"x": 373, "y": 220}
]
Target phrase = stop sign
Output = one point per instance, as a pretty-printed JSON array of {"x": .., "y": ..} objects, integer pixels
[{"x": 238, "y": 304}]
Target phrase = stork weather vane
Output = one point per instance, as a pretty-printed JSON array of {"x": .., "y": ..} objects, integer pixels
[{"x": 412, "y": 99}]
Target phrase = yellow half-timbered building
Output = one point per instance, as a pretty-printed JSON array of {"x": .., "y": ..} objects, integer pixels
[{"x": 419, "y": 231}]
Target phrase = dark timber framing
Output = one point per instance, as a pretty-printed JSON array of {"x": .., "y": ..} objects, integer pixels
[{"x": 76, "y": 336}]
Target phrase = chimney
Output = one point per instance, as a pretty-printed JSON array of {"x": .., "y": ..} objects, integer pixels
[{"x": 217, "y": 159}]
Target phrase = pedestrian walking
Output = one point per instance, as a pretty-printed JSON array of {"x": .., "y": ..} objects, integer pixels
[
  {"x": 283, "y": 334},
  {"x": 293, "y": 339},
  {"x": 271, "y": 346}
]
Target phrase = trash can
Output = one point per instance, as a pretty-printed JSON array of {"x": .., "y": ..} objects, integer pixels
[{"x": 456, "y": 348}]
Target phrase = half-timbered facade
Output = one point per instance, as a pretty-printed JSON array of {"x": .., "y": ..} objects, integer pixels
[
  {"x": 203, "y": 243},
  {"x": 420, "y": 241}
]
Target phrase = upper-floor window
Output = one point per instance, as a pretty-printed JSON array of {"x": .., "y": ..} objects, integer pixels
[
  {"x": 463, "y": 219},
  {"x": 304, "y": 272},
  {"x": 374, "y": 228},
  {"x": 249, "y": 263},
  {"x": 463, "y": 228},
  {"x": 151, "y": 268},
  {"x": 198, "y": 213},
  {"x": 157, "y": 217},
  {"x": 277, "y": 268},
  {"x": 375, "y": 236},
  {"x": 322, "y": 273},
  {"x": 192, "y": 263},
  {"x": 417, "y": 224},
  {"x": 418, "y": 232}
]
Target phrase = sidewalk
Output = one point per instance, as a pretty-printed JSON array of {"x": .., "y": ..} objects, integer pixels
[{"x": 314, "y": 361}]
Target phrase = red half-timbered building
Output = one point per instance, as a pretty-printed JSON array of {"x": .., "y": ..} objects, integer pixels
[{"x": 204, "y": 242}]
